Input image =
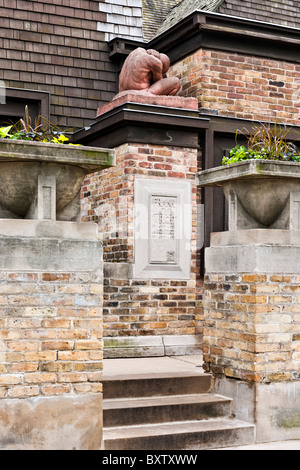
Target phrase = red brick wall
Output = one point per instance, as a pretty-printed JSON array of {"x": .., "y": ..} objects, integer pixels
[
  {"x": 55, "y": 47},
  {"x": 134, "y": 307},
  {"x": 241, "y": 86}
]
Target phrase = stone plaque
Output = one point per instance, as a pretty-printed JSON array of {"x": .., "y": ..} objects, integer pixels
[{"x": 163, "y": 228}]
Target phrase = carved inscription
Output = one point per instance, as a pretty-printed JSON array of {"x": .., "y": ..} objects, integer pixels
[{"x": 163, "y": 220}]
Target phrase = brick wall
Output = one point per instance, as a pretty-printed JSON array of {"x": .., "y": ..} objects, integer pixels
[
  {"x": 241, "y": 86},
  {"x": 251, "y": 326},
  {"x": 134, "y": 307},
  {"x": 50, "y": 334},
  {"x": 55, "y": 46}
]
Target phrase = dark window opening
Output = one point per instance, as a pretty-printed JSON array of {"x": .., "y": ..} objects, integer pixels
[{"x": 15, "y": 102}]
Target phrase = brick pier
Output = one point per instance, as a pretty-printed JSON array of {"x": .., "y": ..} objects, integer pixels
[
  {"x": 51, "y": 344},
  {"x": 251, "y": 329}
]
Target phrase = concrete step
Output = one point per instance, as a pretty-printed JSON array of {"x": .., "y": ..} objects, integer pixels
[
  {"x": 161, "y": 384},
  {"x": 184, "y": 435},
  {"x": 149, "y": 410}
]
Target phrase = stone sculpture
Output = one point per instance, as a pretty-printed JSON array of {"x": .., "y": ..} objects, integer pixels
[{"x": 145, "y": 71}]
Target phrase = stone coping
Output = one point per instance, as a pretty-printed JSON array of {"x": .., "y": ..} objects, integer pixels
[
  {"x": 23, "y": 228},
  {"x": 249, "y": 168},
  {"x": 267, "y": 237},
  {"x": 148, "y": 98},
  {"x": 89, "y": 158}
]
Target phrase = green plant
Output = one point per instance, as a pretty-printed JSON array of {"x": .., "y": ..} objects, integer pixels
[
  {"x": 264, "y": 142},
  {"x": 41, "y": 131}
]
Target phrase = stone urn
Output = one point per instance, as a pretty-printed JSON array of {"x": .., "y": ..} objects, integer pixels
[
  {"x": 43, "y": 180},
  {"x": 261, "y": 194}
]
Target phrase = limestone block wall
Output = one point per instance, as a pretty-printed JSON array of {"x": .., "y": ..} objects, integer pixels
[
  {"x": 251, "y": 326},
  {"x": 241, "y": 86},
  {"x": 142, "y": 307}
]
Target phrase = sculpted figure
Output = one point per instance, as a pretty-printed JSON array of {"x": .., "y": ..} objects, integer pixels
[{"x": 145, "y": 71}]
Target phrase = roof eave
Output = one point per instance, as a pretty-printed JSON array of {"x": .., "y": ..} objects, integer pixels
[{"x": 203, "y": 29}]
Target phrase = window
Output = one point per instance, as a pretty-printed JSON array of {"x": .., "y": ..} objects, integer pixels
[{"x": 12, "y": 106}]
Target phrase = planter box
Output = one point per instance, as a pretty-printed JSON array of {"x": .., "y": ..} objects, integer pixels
[
  {"x": 43, "y": 181},
  {"x": 260, "y": 193}
]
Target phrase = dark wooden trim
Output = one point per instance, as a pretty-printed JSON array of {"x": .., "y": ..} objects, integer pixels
[
  {"x": 17, "y": 98},
  {"x": 229, "y": 125},
  {"x": 220, "y": 32},
  {"x": 137, "y": 123},
  {"x": 147, "y": 124}
]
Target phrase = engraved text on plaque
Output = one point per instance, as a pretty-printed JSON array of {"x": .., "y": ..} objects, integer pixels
[{"x": 163, "y": 222}]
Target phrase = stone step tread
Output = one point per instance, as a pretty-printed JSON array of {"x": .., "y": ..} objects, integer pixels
[
  {"x": 125, "y": 403},
  {"x": 188, "y": 434},
  {"x": 153, "y": 376}
]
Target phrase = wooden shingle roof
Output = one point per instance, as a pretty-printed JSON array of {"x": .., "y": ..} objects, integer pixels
[
  {"x": 284, "y": 12},
  {"x": 154, "y": 13},
  {"x": 184, "y": 8}
]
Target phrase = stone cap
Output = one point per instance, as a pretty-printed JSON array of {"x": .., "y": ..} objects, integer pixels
[
  {"x": 142, "y": 97},
  {"x": 88, "y": 158},
  {"x": 254, "y": 168},
  {"x": 262, "y": 237}
]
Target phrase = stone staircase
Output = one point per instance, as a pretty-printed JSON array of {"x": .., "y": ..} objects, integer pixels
[{"x": 170, "y": 411}]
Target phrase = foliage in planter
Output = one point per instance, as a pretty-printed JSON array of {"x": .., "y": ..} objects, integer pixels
[
  {"x": 42, "y": 131},
  {"x": 264, "y": 142}
]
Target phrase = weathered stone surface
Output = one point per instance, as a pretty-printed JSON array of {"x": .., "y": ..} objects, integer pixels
[
  {"x": 256, "y": 258},
  {"x": 165, "y": 345},
  {"x": 274, "y": 408},
  {"x": 49, "y": 254},
  {"x": 260, "y": 193},
  {"x": 39, "y": 180},
  {"x": 53, "y": 423}
]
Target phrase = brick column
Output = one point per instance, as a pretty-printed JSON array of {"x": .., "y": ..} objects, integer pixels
[
  {"x": 156, "y": 143},
  {"x": 50, "y": 336},
  {"x": 251, "y": 337}
]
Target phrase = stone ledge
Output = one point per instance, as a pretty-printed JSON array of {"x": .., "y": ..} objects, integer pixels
[
  {"x": 48, "y": 229},
  {"x": 256, "y": 237},
  {"x": 168, "y": 345}
]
